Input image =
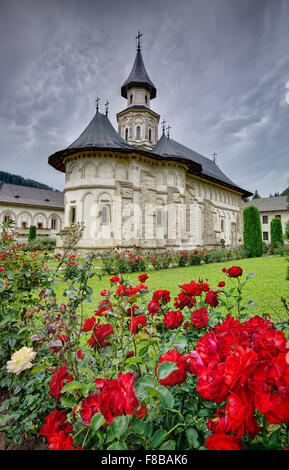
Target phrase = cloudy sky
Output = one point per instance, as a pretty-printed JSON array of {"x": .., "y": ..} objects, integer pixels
[{"x": 220, "y": 67}]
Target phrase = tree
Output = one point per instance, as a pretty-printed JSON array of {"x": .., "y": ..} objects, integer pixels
[
  {"x": 276, "y": 232},
  {"x": 256, "y": 195},
  {"x": 286, "y": 231},
  {"x": 32, "y": 233},
  {"x": 252, "y": 231}
]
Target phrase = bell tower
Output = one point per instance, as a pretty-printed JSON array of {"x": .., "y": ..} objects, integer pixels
[{"x": 138, "y": 124}]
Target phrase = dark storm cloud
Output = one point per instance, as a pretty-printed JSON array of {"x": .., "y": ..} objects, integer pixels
[{"x": 220, "y": 67}]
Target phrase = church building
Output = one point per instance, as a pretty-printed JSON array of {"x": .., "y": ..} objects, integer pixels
[{"x": 133, "y": 188}]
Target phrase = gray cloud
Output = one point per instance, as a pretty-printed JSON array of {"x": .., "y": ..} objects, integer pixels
[{"x": 220, "y": 68}]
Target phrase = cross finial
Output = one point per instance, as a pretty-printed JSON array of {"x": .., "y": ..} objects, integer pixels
[
  {"x": 106, "y": 107},
  {"x": 163, "y": 125},
  {"x": 214, "y": 154},
  {"x": 168, "y": 131},
  {"x": 138, "y": 39},
  {"x": 97, "y": 103}
]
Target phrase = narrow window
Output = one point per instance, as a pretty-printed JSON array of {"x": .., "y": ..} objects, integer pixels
[
  {"x": 131, "y": 98},
  {"x": 159, "y": 217},
  {"x": 7, "y": 218},
  {"x": 146, "y": 99},
  {"x": 40, "y": 225},
  {"x": 53, "y": 223},
  {"x": 265, "y": 236},
  {"x": 104, "y": 215},
  {"x": 73, "y": 215},
  {"x": 265, "y": 219},
  {"x": 150, "y": 135},
  {"x": 222, "y": 225},
  {"x": 24, "y": 225},
  {"x": 138, "y": 132},
  {"x": 126, "y": 134}
]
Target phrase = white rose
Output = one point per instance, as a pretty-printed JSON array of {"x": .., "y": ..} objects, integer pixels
[{"x": 21, "y": 360}]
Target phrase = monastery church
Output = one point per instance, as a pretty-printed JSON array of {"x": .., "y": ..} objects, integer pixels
[{"x": 133, "y": 188}]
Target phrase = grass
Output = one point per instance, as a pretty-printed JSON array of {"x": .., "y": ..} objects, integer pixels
[{"x": 265, "y": 289}]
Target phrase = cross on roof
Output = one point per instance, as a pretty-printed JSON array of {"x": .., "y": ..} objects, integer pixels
[
  {"x": 138, "y": 39},
  {"x": 214, "y": 154},
  {"x": 163, "y": 125},
  {"x": 106, "y": 107},
  {"x": 97, "y": 103},
  {"x": 168, "y": 130}
]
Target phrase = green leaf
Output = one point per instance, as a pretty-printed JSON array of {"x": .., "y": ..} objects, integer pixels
[
  {"x": 120, "y": 424},
  {"x": 97, "y": 421},
  {"x": 71, "y": 386},
  {"x": 68, "y": 401},
  {"x": 117, "y": 446},
  {"x": 158, "y": 437},
  {"x": 165, "y": 396},
  {"x": 37, "y": 369},
  {"x": 168, "y": 445},
  {"x": 165, "y": 369},
  {"x": 133, "y": 360},
  {"x": 139, "y": 427},
  {"x": 179, "y": 341},
  {"x": 192, "y": 436}
]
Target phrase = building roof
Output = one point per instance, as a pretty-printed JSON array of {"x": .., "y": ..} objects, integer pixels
[
  {"x": 170, "y": 148},
  {"x": 138, "y": 77},
  {"x": 100, "y": 133},
  {"x": 270, "y": 204},
  {"x": 24, "y": 195}
]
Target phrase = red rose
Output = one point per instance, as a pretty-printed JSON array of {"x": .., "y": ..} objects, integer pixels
[
  {"x": 140, "y": 414},
  {"x": 173, "y": 319},
  {"x": 117, "y": 397},
  {"x": 136, "y": 322},
  {"x": 153, "y": 307},
  {"x": 57, "y": 382},
  {"x": 192, "y": 289},
  {"x": 239, "y": 367},
  {"x": 162, "y": 296},
  {"x": 211, "y": 384},
  {"x": 221, "y": 284},
  {"x": 88, "y": 324},
  {"x": 61, "y": 441},
  {"x": 143, "y": 277},
  {"x": 200, "y": 318},
  {"x": 240, "y": 411},
  {"x": 235, "y": 271},
  {"x": 183, "y": 300},
  {"x": 212, "y": 298},
  {"x": 177, "y": 376},
  {"x": 99, "y": 336},
  {"x": 221, "y": 441},
  {"x": 89, "y": 407},
  {"x": 114, "y": 279},
  {"x": 268, "y": 343},
  {"x": 55, "y": 422}
]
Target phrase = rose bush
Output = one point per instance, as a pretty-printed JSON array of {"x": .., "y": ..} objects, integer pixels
[{"x": 144, "y": 370}]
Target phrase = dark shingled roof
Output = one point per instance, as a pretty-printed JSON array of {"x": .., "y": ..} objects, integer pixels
[
  {"x": 15, "y": 194},
  {"x": 100, "y": 133},
  {"x": 138, "y": 77},
  {"x": 168, "y": 147},
  {"x": 268, "y": 204}
]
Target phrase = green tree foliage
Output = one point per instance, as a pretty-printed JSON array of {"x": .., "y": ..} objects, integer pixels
[
  {"x": 9, "y": 178},
  {"x": 276, "y": 232},
  {"x": 256, "y": 195},
  {"x": 286, "y": 232},
  {"x": 252, "y": 231},
  {"x": 32, "y": 233}
]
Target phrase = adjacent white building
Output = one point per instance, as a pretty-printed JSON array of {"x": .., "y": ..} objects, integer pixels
[
  {"x": 270, "y": 208},
  {"x": 32, "y": 206},
  {"x": 133, "y": 188}
]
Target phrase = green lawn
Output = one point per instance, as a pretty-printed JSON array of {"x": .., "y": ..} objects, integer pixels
[{"x": 265, "y": 289}]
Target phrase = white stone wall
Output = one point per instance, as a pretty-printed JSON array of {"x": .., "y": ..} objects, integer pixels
[
  {"x": 127, "y": 200},
  {"x": 32, "y": 215},
  {"x": 266, "y": 226}
]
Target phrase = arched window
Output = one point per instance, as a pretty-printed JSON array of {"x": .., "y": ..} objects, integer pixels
[
  {"x": 131, "y": 98},
  {"x": 138, "y": 132},
  {"x": 73, "y": 215},
  {"x": 53, "y": 223},
  {"x": 104, "y": 215},
  {"x": 126, "y": 133},
  {"x": 150, "y": 135},
  {"x": 159, "y": 217}
]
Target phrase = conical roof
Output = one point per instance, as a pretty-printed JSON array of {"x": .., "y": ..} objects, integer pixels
[
  {"x": 138, "y": 77},
  {"x": 168, "y": 147},
  {"x": 99, "y": 134}
]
